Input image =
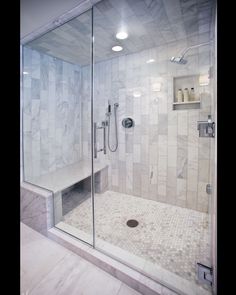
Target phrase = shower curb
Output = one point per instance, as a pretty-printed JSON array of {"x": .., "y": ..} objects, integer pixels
[{"x": 132, "y": 278}]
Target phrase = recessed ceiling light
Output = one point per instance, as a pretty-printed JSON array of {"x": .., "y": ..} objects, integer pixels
[
  {"x": 25, "y": 73},
  {"x": 150, "y": 60},
  {"x": 117, "y": 48},
  {"x": 121, "y": 35}
]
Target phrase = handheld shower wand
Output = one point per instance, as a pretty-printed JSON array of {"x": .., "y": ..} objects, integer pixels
[{"x": 109, "y": 113}]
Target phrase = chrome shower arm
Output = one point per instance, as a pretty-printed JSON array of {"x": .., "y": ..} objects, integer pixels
[{"x": 193, "y": 46}]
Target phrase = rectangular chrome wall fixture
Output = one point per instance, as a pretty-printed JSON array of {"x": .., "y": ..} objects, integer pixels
[{"x": 206, "y": 128}]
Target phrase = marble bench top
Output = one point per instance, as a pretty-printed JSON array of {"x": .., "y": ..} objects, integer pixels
[{"x": 67, "y": 176}]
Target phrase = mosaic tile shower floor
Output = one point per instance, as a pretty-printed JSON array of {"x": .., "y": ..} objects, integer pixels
[{"x": 175, "y": 238}]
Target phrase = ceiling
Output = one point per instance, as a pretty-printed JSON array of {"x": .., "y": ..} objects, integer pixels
[
  {"x": 35, "y": 14},
  {"x": 149, "y": 23}
]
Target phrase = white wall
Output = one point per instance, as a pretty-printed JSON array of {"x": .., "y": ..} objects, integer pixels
[{"x": 36, "y": 13}]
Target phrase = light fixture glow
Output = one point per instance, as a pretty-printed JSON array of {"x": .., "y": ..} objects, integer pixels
[
  {"x": 150, "y": 60},
  {"x": 121, "y": 35},
  {"x": 156, "y": 87},
  {"x": 203, "y": 80},
  {"x": 25, "y": 73},
  {"x": 117, "y": 48},
  {"x": 136, "y": 94}
]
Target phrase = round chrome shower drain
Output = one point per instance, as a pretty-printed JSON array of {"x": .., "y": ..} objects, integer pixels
[{"x": 132, "y": 223}]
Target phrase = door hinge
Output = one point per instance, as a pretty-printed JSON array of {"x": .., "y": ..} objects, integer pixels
[
  {"x": 208, "y": 189},
  {"x": 205, "y": 274}
]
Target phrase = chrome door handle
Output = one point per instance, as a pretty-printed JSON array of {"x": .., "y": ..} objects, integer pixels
[
  {"x": 95, "y": 140},
  {"x": 95, "y": 127}
]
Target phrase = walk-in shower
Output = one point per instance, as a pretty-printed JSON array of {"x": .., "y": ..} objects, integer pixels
[{"x": 114, "y": 136}]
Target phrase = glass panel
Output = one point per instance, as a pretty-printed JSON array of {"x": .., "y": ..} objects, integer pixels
[
  {"x": 152, "y": 84},
  {"x": 57, "y": 121}
]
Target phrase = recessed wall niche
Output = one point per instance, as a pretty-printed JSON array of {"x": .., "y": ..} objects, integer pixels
[{"x": 180, "y": 84}]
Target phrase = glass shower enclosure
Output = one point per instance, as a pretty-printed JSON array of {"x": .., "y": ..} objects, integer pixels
[{"x": 118, "y": 106}]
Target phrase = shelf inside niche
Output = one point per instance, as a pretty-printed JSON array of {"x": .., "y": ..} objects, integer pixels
[{"x": 182, "y": 82}]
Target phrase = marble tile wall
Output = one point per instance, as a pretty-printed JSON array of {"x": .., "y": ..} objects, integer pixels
[
  {"x": 52, "y": 135},
  {"x": 162, "y": 158},
  {"x": 36, "y": 207}
]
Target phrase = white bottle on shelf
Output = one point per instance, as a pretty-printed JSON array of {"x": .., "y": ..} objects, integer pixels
[
  {"x": 192, "y": 94},
  {"x": 186, "y": 94},
  {"x": 180, "y": 95}
]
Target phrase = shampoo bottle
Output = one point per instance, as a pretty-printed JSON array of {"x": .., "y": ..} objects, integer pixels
[
  {"x": 186, "y": 94},
  {"x": 180, "y": 95},
  {"x": 192, "y": 94}
]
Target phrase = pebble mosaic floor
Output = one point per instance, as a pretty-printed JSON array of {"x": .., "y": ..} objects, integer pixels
[{"x": 175, "y": 238}]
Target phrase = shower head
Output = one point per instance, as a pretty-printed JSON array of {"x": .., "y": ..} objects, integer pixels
[{"x": 178, "y": 60}]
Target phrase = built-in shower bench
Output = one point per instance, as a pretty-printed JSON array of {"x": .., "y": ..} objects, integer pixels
[
  {"x": 53, "y": 185},
  {"x": 63, "y": 179},
  {"x": 69, "y": 175}
]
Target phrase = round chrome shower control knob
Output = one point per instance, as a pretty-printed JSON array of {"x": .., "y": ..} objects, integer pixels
[{"x": 127, "y": 122}]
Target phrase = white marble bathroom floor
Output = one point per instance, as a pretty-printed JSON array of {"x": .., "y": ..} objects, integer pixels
[
  {"x": 49, "y": 268},
  {"x": 171, "y": 237}
]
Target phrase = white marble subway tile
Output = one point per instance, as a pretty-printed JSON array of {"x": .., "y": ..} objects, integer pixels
[
  {"x": 193, "y": 160},
  {"x": 43, "y": 119},
  {"x": 162, "y": 145},
  {"x": 144, "y": 183},
  {"x": 170, "y": 197},
  {"x": 182, "y": 123},
  {"x": 202, "y": 190},
  {"x": 137, "y": 179},
  {"x": 115, "y": 177},
  {"x": 35, "y": 65},
  {"x": 137, "y": 110},
  {"x": 172, "y": 136},
  {"x": 203, "y": 197},
  {"x": 162, "y": 103},
  {"x": 161, "y": 187},
  {"x": 162, "y": 166},
  {"x": 153, "y": 174},
  {"x": 26, "y": 123},
  {"x": 192, "y": 179},
  {"x": 204, "y": 148},
  {"x": 172, "y": 156},
  {"x": 129, "y": 172},
  {"x": 144, "y": 104},
  {"x": 144, "y": 149},
  {"x": 153, "y": 134},
  {"x": 122, "y": 152},
  {"x": 203, "y": 171},
  {"x": 136, "y": 153},
  {"x": 191, "y": 201},
  {"x": 181, "y": 189},
  {"x": 153, "y": 116},
  {"x": 172, "y": 177},
  {"x": 153, "y": 153}
]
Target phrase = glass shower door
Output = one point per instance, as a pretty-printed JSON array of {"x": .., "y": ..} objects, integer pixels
[
  {"x": 57, "y": 121},
  {"x": 153, "y": 212}
]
